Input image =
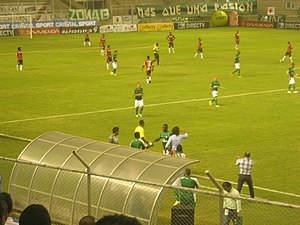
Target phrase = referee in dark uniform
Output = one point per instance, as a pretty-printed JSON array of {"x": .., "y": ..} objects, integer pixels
[{"x": 246, "y": 165}]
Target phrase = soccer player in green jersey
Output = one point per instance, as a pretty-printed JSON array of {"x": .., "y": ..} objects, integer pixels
[
  {"x": 156, "y": 53},
  {"x": 137, "y": 142},
  {"x": 139, "y": 102},
  {"x": 292, "y": 83},
  {"x": 214, "y": 87},
  {"x": 114, "y": 63},
  {"x": 186, "y": 197},
  {"x": 164, "y": 137},
  {"x": 237, "y": 64}
]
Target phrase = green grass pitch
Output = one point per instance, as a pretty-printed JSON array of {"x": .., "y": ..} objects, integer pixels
[{"x": 62, "y": 77}]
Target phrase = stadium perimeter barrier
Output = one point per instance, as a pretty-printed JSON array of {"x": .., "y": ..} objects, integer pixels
[
  {"x": 93, "y": 27},
  {"x": 122, "y": 180},
  {"x": 130, "y": 23}
]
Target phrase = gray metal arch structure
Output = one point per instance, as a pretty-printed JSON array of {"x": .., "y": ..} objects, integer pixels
[{"x": 64, "y": 192}]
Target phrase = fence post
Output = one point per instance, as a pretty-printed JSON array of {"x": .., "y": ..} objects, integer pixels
[
  {"x": 211, "y": 177},
  {"x": 89, "y": 184},
  {"x": 0, "y": 183}
]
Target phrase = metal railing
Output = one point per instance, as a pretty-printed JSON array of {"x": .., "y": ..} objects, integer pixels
[{"x": 208, "y": 208}]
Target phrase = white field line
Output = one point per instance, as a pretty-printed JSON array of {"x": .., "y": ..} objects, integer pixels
[
  {"x": 256, "y": 187},
  {"x": 78, "y": 49},
  {"x": 127, "y": 108}
]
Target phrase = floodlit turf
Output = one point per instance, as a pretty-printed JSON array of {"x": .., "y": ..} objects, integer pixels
[{"x": 62, "y": 77}]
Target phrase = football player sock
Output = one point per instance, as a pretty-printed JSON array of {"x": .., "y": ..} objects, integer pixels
[{"x": 141, "y": 110}]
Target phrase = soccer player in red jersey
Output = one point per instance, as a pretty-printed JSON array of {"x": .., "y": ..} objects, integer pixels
[
  {"x": 148, "y": 63},
  {"x": 108, "y": 57},
  {"x": 200, "y": 49},
  {"x": 288, "y": 52},
  {"x": 171, "y": 39},
  {"x": 87, "y": 39},
  {"x": 19, "y": 55},
  {"x": 237, "y": 39},
  {"x": 102, "y": 43}
]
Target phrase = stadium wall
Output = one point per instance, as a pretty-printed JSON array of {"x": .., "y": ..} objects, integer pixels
[{"x": 262, "y": 14}]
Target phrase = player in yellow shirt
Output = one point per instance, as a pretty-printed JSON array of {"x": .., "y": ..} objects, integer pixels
[
  {"x": 156, "y": 53},
  {"x": 140, "y": 130}
]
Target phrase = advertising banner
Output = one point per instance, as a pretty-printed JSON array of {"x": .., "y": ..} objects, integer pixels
[
  {"x": 155, "y": 26},
  {"x": 6, "y": 33},
  {"x": 107, "y": 29},
  {"x": 117, "y": 20},
  {"x": 267, "y": 18},
  {"x": 118, "y": 28},
  {"x": 191, "y": 25},
  {"x": 56, "y": 30},
  {"x": 14, "y": 25},
  {"x": 257, "y": 24},
  {"x": 5, "y": 10},
  {"x": 75, "y": 23},
  {"x": 24, "y": 9},
  {"x": 44, "y": 24},
  {"x": 39, "y": 31},
  {"x": 187, "y": 19},
  {"x": 89, "y": 14},
  {"x": 289, "y": 25},
  {"x": 195, "y": 9},
  {"x": 127, "y": 19},
  {"x": 125, "y": 28},
  {"x": 78, "y": 30}
]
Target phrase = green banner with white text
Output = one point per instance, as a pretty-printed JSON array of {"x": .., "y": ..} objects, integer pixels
[
  {"x": 195, "y": 9},
  {"x": 89, "y": 14}
]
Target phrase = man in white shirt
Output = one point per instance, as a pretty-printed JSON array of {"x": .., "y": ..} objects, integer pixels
[
  {"x": 231, "y": 205},
  {"x": 174, "y": 140}
]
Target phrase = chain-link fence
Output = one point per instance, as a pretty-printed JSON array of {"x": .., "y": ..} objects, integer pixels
[{"x": 108, "y": 193}]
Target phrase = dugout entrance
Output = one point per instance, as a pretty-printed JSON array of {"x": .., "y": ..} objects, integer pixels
[{"x": 122, "y": 179}]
